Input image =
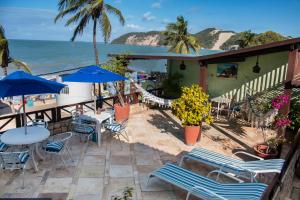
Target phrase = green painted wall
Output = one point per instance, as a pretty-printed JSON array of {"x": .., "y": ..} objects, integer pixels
[
  {"x": 190, "y": 74},
  {"x": 273, "y": 71}
]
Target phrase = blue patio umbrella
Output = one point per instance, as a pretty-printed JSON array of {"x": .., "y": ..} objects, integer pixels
[
  {"x": 20, "y": 83},
  {"x": 93, "y": 74}
]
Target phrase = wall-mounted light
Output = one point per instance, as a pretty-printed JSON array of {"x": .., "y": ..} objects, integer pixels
[
  {"x": 182, "y": 66},
  {"x": 256, "y": 67}
]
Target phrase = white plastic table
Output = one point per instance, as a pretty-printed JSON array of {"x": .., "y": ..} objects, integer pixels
[
  {"x": 98, "y": 118},
  {"x": 221, "y": 100},
  {"x": 35, "y": 135}
]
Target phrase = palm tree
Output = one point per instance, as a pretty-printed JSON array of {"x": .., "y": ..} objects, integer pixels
[
  {"x": 178, "y": 38},
  {"x": 85, "y": 10},
  {"x": 5, "y": 59},
  {"x": 246, "y": 39}
]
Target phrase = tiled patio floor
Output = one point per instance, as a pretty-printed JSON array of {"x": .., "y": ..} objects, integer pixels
[{"x": 99, "y": 173}]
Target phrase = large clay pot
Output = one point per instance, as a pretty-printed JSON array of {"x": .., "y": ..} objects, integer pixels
[
  {"x": 191, "y": 134},
  {"x": 261, "y": 151},
  {"x": 121, "y": 112}
]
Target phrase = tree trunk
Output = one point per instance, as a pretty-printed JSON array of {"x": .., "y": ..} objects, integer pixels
[
  {"x": 5, "y": 71},
  {"x": 95, "y": 43}
]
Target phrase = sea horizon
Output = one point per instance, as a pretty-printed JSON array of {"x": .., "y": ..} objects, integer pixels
[{"x": 48, "y": 56}]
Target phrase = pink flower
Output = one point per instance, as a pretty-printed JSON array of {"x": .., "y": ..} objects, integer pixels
[
  {"x": 281, "y": 122},
  {"x": 279, "y": 101}
]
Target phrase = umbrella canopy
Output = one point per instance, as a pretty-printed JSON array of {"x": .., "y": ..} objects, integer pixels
[
  {"x": 22, "y": 83},
  {"x": 93, "y": 74}
]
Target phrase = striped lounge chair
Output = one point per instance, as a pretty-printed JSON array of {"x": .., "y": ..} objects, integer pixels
[
  {"x": 206, "y": 188},
  {"x": 245, "y": 169}
]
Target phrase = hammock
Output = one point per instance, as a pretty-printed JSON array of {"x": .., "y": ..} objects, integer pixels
[{"x": 150, "y": 98}]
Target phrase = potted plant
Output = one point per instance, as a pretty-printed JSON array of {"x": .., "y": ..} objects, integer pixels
[
  {"x": 192, "y": 108},
  {"x": 270, "y": 148},
  {"x": 119, "y": 64}
]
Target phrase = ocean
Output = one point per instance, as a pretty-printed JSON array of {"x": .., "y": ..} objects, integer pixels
[{"x": 52, "y": 56}]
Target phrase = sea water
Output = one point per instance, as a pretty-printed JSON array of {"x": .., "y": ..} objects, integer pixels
[{"x": 52, "y": 56}]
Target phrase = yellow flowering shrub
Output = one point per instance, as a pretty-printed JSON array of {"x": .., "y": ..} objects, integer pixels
[{"x": 193, "y": 107}]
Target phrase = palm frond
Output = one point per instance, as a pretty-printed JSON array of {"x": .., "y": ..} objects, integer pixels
[
  {"x": 2, "y": 32},
  {"x": 69, "y": 10},
  {"x": 105, "y": 27},
  {"x": 20, "y": 65},
  {"x": 76, "y": 17},
  {"x": 79, "y": 28},
  {"x": 116, "y": 12}
]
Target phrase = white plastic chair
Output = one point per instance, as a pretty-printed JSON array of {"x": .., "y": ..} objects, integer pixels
[
  {"x": 58, "y": 145},
  {"x": 14, "y": 160}
]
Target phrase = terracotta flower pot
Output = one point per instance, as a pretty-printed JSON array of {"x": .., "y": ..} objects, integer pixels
[
  {"x": 191, "y": 134},
  {"x": 261, "y": 151},
  {"x": 121, "y": 112}
]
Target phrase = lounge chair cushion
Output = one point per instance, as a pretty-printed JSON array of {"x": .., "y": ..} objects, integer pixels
[
  {"x": 54, "y": 146},
  {"x": 188, "y": 180},
  {"x": 235, "y": 165},
  {"x": 3, "y": 146}
]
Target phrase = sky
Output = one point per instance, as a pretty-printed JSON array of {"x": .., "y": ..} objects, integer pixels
[{"x": 33, "y": 19}]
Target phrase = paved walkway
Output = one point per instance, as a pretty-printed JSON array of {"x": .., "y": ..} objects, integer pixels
[{"x": 100, "y": 173}]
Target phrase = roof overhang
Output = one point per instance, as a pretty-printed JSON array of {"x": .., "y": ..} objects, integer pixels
[{"x": 228, "y": 56}]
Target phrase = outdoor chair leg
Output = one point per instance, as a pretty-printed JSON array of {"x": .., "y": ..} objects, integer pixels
[
  {"x": 188, "y": 195},
  {"x": 68, "y": 151},
  {"x": 23, "y": 178},
  {"x": 181, "y": 161},
  {"x": 62, "y": 159}
]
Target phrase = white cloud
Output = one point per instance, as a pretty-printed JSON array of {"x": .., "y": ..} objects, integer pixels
[
  {"x": 156, "y": 5},
  {"x": 133, "y": 26},
  {"x": 148, "y": 16}
]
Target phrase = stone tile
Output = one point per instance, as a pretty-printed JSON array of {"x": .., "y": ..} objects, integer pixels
[
  {"x": 117, "y": 185},
  {"x": 120, "y": 160},
  {"x": 119, "y": 171},
  {"x": 89, "y": 186},
  {"x": 82, "y": 196},
  {"x": 96, "y": 150},
  {"x": 144, "y": 160},
  {"x": 146, "y": 169},
  {"x": 92, "y": 171},
  {"x": 54, "y": 196},
  {"x": 57, "y": 185},
  {"x": 159, "y": 195},
  {"x": 94, "y": 160},
  {"x": 63, "y": 172},
  {"x": 154, "y": 185},
  {"x": 31, "y": 183}
]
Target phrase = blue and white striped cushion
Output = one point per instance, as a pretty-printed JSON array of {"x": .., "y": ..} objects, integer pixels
[
  {"x": 234, "y": 165},
  {"x": 3, "y": 146},
  {"x": 187, "y": 180},
  {"x": 23, "y": 157},
  {"x": 84, "y": 129},
  {"x": 54, "y": 146},
  {"x": 114, "y": 127}
]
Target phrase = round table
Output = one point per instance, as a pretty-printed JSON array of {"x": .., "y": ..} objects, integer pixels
[{"x": 34, "y": 135}]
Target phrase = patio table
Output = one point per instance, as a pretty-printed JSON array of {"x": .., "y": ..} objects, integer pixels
[
  {"x": 35, "y": 135},
  {"x": 98, "y": 118},
  {"x": 219, "y": 101}
]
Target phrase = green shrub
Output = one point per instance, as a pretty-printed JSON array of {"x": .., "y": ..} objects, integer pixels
[{"x": 193, "y": 107}]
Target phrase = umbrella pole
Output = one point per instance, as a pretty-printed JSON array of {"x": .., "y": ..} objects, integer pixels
[
  {"x": 24, "y": 115},
  {"x": 95, "y": 104}
]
